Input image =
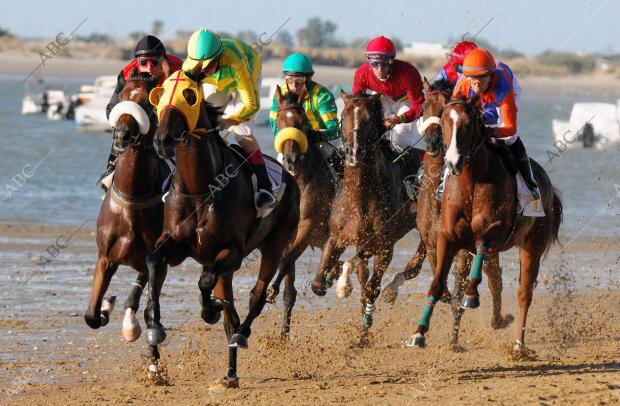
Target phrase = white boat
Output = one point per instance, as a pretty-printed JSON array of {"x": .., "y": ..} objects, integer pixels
[
  {"x": 41, "y": 103},
  {"x": 90, "y": 114},
  {"x": 590, "y": 124}
]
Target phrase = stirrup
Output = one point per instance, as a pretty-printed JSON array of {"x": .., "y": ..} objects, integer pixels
[{"x": 264, "y": 199}]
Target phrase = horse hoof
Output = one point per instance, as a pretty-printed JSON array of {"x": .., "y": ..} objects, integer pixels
[
  {"x": 503, "y": 322},
  {"x": 470, "y": 302},
  {"x": 446, "y": 297},
  {"x": 93, "y": 322},
  {"x": 224, "y": 383},
  {"x": 417, "y": 340},
  {"x": 131, "y": 326},
  {"x": 238, "y": 341},
  {"x": 155, "y": 336},
  {"x": 272, "y": 294},
  {"x": 318, "y": 288},
  {"x": 211, "y": 317}
]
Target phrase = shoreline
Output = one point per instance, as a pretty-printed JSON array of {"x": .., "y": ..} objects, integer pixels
[{"x": 20, "y": 64}]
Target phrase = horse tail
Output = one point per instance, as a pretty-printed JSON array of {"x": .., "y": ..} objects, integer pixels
[{"x": 556, "y": 221}]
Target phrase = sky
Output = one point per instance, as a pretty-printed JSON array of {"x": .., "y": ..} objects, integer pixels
[{"x": 527, "y": 26}]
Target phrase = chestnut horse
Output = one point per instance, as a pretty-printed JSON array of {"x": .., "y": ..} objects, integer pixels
[
  {"x": 479, "y": 213},
  {"x": 427, "y": 219},
  {"x": 131, "y": 215},
  {"x": 372, "y": 210},
  {"x": 318, "y": 188},
  {"x": 209, "y": 215}
]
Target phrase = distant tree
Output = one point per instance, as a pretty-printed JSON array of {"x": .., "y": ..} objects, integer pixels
[
  {"x": 157, "y": 27},
  {"x": 285, "y": 37},
  {"x": 318, "y": 34},
  {"x": 247, "y": 36},
  {"x": 96, "y": 37},
  {"x": 575, "y": 63},
  {"x": 136, "y": 35},
  {"x": 398, "y": 43},
  {"x": 6, "y": 33}
]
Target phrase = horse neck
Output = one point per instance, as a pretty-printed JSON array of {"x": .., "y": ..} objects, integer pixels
[
  {"x": 362, "y": 183},
  {"x": 135, "y": 171},
  {"x": 311, "y": 166},
  {"x": 198, "y": 164}
]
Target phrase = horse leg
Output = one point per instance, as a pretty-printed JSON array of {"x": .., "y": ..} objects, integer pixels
[
  {"x": 412, "y": 269},
  {"x": 359, "y": 264},
  {"x": 461, "y": 268},
  {"x": 155, "y": 333},
  {"x": 226, "y": 260},
  {"x": 372, "y": 289},
  {"x": 288, "y": 262},
  {"x": 445, "y": 254},
  {"x": 223, "y": 289},
  {"x": 529, "y": 266},
  {"x": 258, "y": 295},
  {"x": 471, "y": 299},
  {"x": 131, "y": 325},
  {"x": 329, "y": 258},
  {"x": 289, "y": 296},
  {"x": 494, "y": 274},
  {"x": 95, "y": 316}
]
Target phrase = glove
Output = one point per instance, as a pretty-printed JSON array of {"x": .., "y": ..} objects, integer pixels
[{"x": 490, "y": 116}]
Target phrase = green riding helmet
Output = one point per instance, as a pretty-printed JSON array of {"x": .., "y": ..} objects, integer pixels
[
  {"x": 202, "y": 48},
  {"x": 297, "y": 64}
]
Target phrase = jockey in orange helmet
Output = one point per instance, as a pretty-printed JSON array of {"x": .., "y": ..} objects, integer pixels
[
  {"x": 494, "y": 83},
  {"x": 450, "y": 72}
]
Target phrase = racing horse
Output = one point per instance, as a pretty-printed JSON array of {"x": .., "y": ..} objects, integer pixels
[
  {"x": 131, "y": 215},
  {"x": 479, "y": 212},
  {"x": 372, "y": 210},
  {"x": 317, "y": 180},
  {"x": 210, "y": 215},
  {"x": 427, "y": 219}
]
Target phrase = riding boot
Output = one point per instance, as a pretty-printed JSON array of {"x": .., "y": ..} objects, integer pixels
[
  {"x": 525, "y": 167},
  {"x": 264, "y": 194},
  {"x": 111, "y": 166}
]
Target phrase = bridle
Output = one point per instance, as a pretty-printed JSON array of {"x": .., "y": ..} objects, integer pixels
[{"x": 478, "y": 119}]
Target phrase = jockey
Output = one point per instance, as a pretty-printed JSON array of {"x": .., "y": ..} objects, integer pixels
[
  {"x": 230, "y": 74},
  {"x": 150, "y": 57},
  {"x": 494, "y": 83},
  {"x": 400, "y": 83},
  {"x": 451, "y": 70},
  {"x": 319, "y": 103}
]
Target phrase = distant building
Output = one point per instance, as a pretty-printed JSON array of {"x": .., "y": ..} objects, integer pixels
[{"x": 426, "y": 50}]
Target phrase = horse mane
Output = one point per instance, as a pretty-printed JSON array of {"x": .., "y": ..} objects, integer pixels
[
  {"x": 442, "y": 85},
  {"x": 290, "y": 98},
  {"x": 375, "y": 102}
]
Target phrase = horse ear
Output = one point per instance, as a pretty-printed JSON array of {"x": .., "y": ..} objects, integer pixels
[
  {"x": 278, "y": 95},
  {"x": 155, "y": 95},
  {"x": 302, "y": 95},
  {"x": 427, "y": 86},
  {"x": 165, "y": 66},
  {"x": 457, "y": 96},
  {"x": 473, "y": 101},
  {"x": 375, "y": 98},
  {"x": 133, "y": 73},
  {"x": 345, "y": 96}
]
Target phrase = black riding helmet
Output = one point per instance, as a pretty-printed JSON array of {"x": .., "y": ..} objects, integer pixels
[{"x": 149, "y": 45}]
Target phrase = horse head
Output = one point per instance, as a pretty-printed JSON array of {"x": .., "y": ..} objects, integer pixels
[
  {"x": 132, "y": 118},
  {"x": 292, "y": 139},
  {"x": 437, "y": 96},
  {"x": 362, "y": 125},
  {"x": 181, "y": 113},
  {"x": 460, "y": 123}
]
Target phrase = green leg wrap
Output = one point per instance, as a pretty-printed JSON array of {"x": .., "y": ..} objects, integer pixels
[
  {"x": 428, "y": 311},
  {"x": 476, "y": 268}
]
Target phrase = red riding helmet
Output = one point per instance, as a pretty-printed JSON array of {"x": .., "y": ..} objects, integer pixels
[
  {"x": 460, "y": 51},
  {"x": 381, "y": 46}
]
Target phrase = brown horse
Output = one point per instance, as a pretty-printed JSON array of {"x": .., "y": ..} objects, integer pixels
[
  {"x": 372, "y": 210},
  {"x": 131, "y": 215},
  {"x": 210, "y": 216},
  {"x": 318, "y": 188},
  {"x": 427, "y": 219},
  {"x": 479, "y": 212}
]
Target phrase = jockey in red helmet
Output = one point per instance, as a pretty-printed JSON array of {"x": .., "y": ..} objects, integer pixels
[
  {"x": 399, "y": 82},
  {"x": 453, "y": 68}
]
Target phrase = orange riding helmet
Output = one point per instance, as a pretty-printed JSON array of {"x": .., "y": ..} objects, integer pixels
[{"x": 478, "y": 62}]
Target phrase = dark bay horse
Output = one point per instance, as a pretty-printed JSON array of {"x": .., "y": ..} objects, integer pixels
[
  {"x": 131, "y": 215},
  {"x": 372, "y": 210},
  {"x": 210, "y": 216},
  {"x": 427, "y": 219},
  {"x": 303, "y": 159},
  {"x": 479, "y": 213}
]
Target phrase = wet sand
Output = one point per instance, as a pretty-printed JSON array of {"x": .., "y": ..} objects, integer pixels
[{"x": 49, "y": 356}]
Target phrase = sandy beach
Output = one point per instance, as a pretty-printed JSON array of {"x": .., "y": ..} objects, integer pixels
[{"x": 49, "y": 356}]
